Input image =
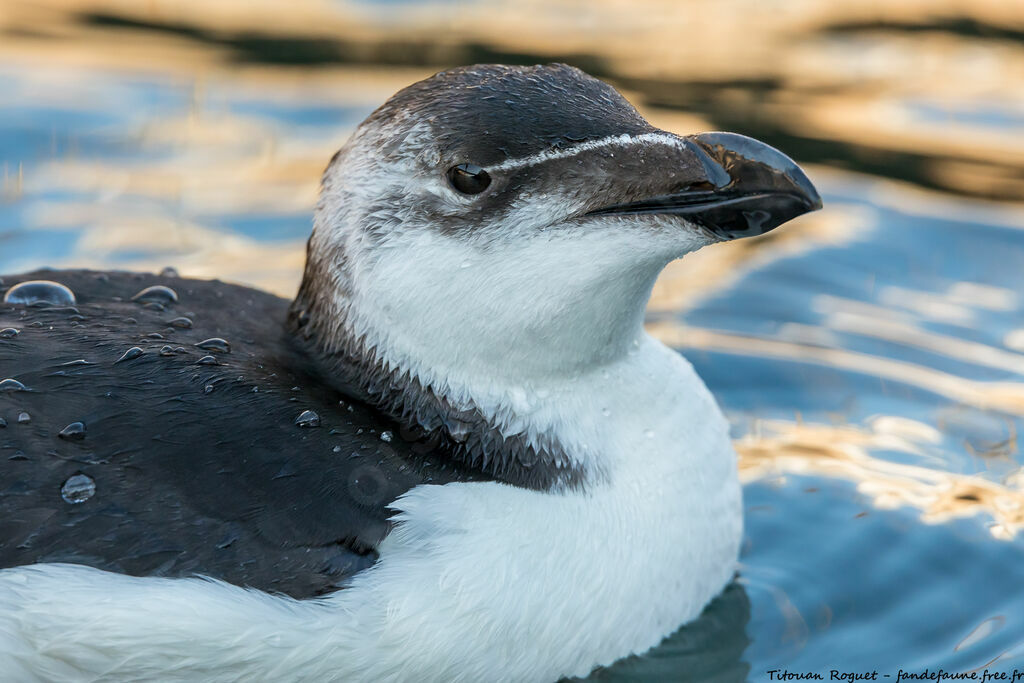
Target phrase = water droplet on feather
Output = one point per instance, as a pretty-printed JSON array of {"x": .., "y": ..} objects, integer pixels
[
  {"x": 12, "y": 385},
  {"x": 39, "y": 293},
  {"x": 73, "y": 432},
  {"x": 130, "y": 354},
  {"x": 157, "y": 294},
  {"x": 215, "y": 344},
  {"x": 287, "y": 470},
  {"x": 78, "y": 488},
  {"x": 308, "y": 418}
]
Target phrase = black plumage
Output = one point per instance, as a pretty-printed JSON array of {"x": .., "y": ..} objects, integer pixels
[
  {"x": 488, "y": 113},
  {"x": 198, "y": 463}
]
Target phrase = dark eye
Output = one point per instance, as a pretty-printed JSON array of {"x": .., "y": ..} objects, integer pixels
[{"x": 468, "y": 179}]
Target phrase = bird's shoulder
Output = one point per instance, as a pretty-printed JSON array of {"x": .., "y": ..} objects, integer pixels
[{"x": 189, "y": 459}]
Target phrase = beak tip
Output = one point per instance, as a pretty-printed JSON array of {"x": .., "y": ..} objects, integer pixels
[
  {"x": 777, "y": 189},
  {"x": 811, "y": 196}
]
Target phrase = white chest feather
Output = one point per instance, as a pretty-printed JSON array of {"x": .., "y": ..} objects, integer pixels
[{"x": 479, "y": 581}]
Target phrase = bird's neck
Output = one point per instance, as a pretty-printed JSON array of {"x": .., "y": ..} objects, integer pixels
[{"x": 467, "y": 347}]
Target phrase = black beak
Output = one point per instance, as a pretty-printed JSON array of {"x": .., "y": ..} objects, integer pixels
[{"x": 748, "y": 188}]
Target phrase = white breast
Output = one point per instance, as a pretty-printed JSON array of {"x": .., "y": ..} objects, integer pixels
[
  {"x": 479, "y": 581},
  {"x": 537, "y": 586}
]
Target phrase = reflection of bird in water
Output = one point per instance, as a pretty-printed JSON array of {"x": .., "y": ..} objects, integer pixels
[
  {"x": 708, "y": 649},
  {"x": 464, "y": 426}
]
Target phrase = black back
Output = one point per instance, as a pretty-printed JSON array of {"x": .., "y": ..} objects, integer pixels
[{"x": 198, "y": 468}]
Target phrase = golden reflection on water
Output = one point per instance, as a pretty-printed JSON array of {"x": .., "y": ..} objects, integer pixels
[
  {"x": 914, "y": 83},
  {"x": 1007, "y": 397},
  {"x": 778, "y": 448},
  {"x": 844, "y": 451}
]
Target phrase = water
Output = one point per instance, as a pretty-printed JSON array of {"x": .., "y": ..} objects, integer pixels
[
  {"x": 894, "y": 562},
  {"x": 73, "y": 432},
  {"x": 78, "y": 488},
  {"x": 131, "y": 354},
  {"x": 156, "y": 294},
  {"x": 307, "y": 418},
  {"x": 39, "y": 293},
  {"x": 215, "y": 344},
  {"x": 11, "y": 385},
  {"x": 870, "y": 357}
]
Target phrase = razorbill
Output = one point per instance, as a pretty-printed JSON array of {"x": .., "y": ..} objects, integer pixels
[{"x": 455, "y": 456}]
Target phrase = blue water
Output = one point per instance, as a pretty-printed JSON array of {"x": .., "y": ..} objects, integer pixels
[
  {"x": 833, "y": 582},
  {"x": 984, "y": 114}
]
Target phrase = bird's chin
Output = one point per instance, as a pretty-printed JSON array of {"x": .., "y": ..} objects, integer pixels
[
  {"x": 673, "y": 232},
  {"x": 644, "y": 240}
]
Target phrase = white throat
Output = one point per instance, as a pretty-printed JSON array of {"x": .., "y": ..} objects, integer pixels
[
  {"x": 520, "y": 312},
  {"x": 509, "y": 327}
]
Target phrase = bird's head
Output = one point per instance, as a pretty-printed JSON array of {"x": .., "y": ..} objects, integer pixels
[{"x": 512, "y": 221}]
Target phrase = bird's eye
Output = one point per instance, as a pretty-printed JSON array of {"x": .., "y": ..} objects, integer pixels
[{"x": 468, "y": 179}]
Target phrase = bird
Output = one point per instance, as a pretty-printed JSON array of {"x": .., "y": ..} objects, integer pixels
[{"x": 455, "y": 455}]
